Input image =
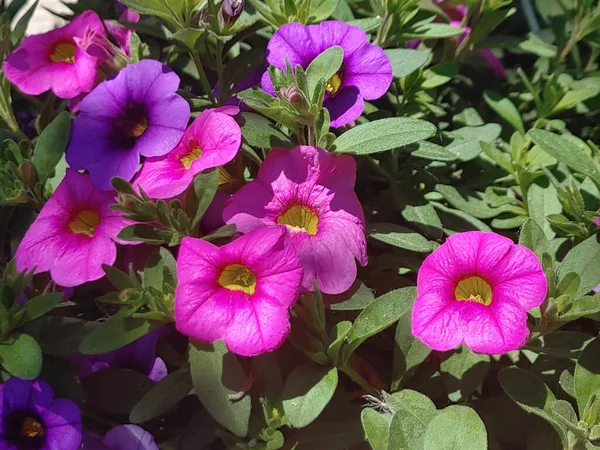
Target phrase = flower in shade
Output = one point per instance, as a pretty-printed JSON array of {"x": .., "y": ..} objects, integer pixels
[
  {"x": 240, "y": 293},
  {"x": 476, "y": 288},
  {"x": 74, "y": 233},
  {"x": 125, "y": 14},
  {"x": 212, "y": 140},
  {"x": 309, "y": 193},
  {"x": 139, "y": 355},
  {"x": 365, "y": 74},
  {"x": 137, "y": 113},
  {"x": 121, "y": 437},
  {"x": 32, "y": 419},
  {"x": 54, "y": 61}
]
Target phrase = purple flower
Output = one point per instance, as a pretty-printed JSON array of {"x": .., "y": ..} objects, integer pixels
[
  {"x": 121, "y": 437},
  {"x": 32, "y": 419},
  {"x": 137, "y": 113},
  {"x": 366, "y": 72},
  {"x": 140, "y": 356}
]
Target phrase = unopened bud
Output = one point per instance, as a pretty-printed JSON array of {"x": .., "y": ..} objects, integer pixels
[
  {"x": 230, "y": 11},
  {"x": 292, "y": 94}
]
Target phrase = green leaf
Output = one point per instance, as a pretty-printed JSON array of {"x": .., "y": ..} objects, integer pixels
[
  {"x": 368, "y": 24},
  {"x": 377, "y": 428},
  {"x": 413, "y": 412},
  {"x": 21, "y": 26},
  {"x": 580, "y": 307},
  {"x": 21, "y": 356},
  {"x": 188, "y": 37},
  {"x": 162, "y": 396},
  {"x": 216, "y": 375},
  {"x": 531, "y": 394},
  {"x": 401, "y": 237},
  {"x": 382, "y": 135},
  {"x": 470, "y": 204},
  {"x": 463, "y": 372},
  {"x": 542, "y": 201},
  {"x": 320, "y": 11},
  {"x": 561, "y": 344},
  {"x": 433, "y": 31},
  {"x": 359, "y": 300},
  {"x": 456, "y": 427},
  {"x": 505, "y": 109},
  {"x": 60, "y": 336},
  {"x": 205, "y": 188},
  {"x": 258, "y": 131},
  {"x": 584, "y": 260},
  {"x": 533, "y": 237},
  {"x": 567, "y": 152},
  {"x": 338, "y": 335},
  {"x": 115, "y": 333},
  {"x": 409, "y": 351},
  {"x": 323, "y": 67},
  {"x": 116, "y": 390},
  {"x": 433, "y": 152},
  {"x": 307, "y": 391},
  {"x": 439, "y": 75},
  {"x": 382, "y": 313},
  {"x": 51, "y": 145},
  {"x": 141, "y": 232},
  {"x": 466, "y": 143},
  {"x": 587, "y": 374},
  {"x": 405, "y": 61},
  {"x": 40, "y": 305},
  {"x": 167, "y": 10},
  {"x": 573, "y": 98}
]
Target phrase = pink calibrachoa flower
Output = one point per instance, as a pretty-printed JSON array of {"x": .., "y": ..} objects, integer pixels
[
  {"x": 54, "y": 61},
  {"x": 74, "y": 233},
  {"x": 476, "y": 288},
  {"x": 308, "y": 192},
  {"x": 240, "y": 293},
  {"x": 213, "y": 139},
  {"x": 596, "y": 220}
]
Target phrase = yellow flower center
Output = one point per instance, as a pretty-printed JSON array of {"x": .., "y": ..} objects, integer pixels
[
  {"x": 138, "y": 128},
  {"x": 300, "y": 218},
  {"x": 84, "y": 223},
  {"x": 474, "y": 289},
  {"x": 190, "y": 157},
  {"x": 32, "y": 428},
  {"x": 333, "y": 84},
  {"x": 237, "y": 277},
  {"x": 64, "y": 52}
]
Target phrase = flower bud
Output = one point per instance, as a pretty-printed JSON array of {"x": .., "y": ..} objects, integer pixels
[
  {"x": 292, "y": 94},
  {"x": 230, "y": 11}
]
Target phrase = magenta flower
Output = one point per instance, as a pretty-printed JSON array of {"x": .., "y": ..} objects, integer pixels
[
  {"x": 137, "y": 113},
  {"x": 366, "y": 72},
  {"x": 240, "y": 293},
  {"x": 309, "y": 193},
  {"x": 74, "y": 233},
  {"x": 54, "y": 61},
  {"x": 31, "y": 418},
  {"x": 121, "y": 437},
  {"x": 476, "y": 288},
  {"x": 596, "y": 221},
  {"x": 212, "y": 140}
]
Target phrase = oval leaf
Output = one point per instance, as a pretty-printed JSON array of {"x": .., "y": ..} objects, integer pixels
[{"x": 456, "y": 427}]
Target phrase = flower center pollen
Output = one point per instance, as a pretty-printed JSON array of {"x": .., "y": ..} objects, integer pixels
[
  {"x": 237, "y": 277},
  {"x": 333, "y": 84},
  {"x": 85, "y": 223},
  {"x": 32, "y": 428},
  {"x": 64, "y": 52},
  {"x": 138, "y": 128},
  {"x": 191, "y": 156},
  {"x": 474, "y": 289},
  {"x": 300, "y": 218}
]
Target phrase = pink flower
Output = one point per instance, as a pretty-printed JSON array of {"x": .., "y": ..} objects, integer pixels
[
  {"x": 212, "y": 140},
  {"x": 309, "y": 193},
  {"x": 596, "y": 220},
  {"x": 54, "y": 61},
  {"x": 74, "y": 233},
  {"x": 240, "y": 293},
  {"x": 477, "y": 288}
]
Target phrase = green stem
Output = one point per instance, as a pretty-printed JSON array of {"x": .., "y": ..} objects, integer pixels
[
  {"x": 203, "y": 78},
  {"x": 568, "y": 46},
  {"x": 380, "y": 170},
  {"x": 354, "y": 376},
  {"x": 222, "y": 87}
]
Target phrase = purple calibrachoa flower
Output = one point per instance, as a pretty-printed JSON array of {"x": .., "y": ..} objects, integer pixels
[
  {"x": 74, "y": 233},
  {"x": 32, "y": 419},
  {"x": 139, "y": 355},
  {"x": 309, "y": 193},
  {"x": 54, "y": 61},
  {"x": 121, "y": 437},
  {"x": 212, "y": 140},
  {"x": 476, "y": 288},
  {"x": 240, "y": 293},
  {"x": 137, "y": 113},
  {"x": 366, "y": 72}
]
